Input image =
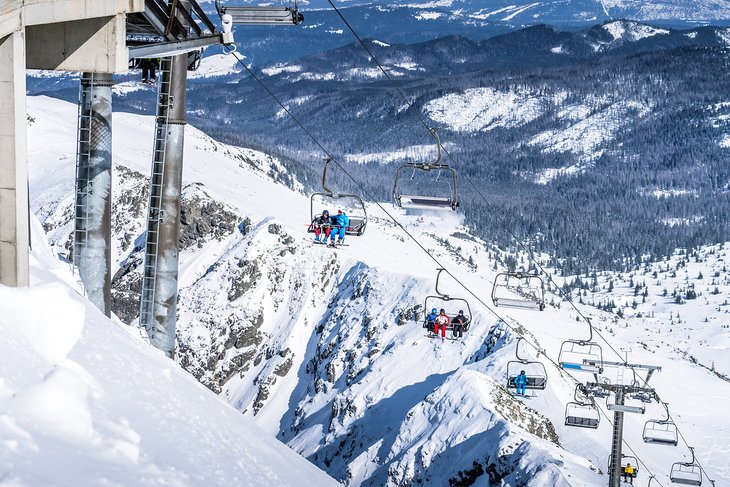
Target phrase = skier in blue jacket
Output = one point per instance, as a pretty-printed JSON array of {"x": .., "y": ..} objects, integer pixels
[
  {"x": 431, "y": 319},
  {"x": 342, "y": 222},
  {"x": 521, "y": 383}
]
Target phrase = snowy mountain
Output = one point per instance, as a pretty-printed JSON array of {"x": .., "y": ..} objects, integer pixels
[
  {"x": 84, "y": 401},
  {"x": 318, "y": 346},
  {"x": 409, "y": 21}
]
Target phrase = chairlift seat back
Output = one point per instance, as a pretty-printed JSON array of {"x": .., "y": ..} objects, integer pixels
[
  {"x": 427, "y": 202},
  {"x": 686, "y": 474},
  {"x": 581, "y": 422},
  {"x": 518, "y": 303},
  {"x": 660, "y": 432},
  {"x": 626, "y": 408},
  {"x": 533, "y": 382}
]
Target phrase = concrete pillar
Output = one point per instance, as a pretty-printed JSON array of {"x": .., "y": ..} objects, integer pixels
[
  {"x": 14, "y": 212},
  {"x": 158, "y": 310},
  {"x": 93, "y": 208}
]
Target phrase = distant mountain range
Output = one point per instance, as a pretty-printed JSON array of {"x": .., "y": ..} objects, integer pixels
[{"x": 410, "y": 21}]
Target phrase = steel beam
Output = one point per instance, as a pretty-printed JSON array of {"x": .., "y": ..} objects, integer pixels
[{"x": 93, "y": 208}]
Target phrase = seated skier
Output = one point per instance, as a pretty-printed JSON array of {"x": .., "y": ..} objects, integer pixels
[
  {"x": 340, "y": 224},
  {"x": 431, "y": 319},
  {"x": 322, "y": 226},
  {"x": 458, "y": 323},
  {"x": 521, "y": 383}
]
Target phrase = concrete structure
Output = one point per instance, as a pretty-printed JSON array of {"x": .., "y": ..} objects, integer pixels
[{"x": 74, "y": 35}]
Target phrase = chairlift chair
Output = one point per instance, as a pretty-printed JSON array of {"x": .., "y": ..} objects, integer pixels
[
  {"x": 625, "y": 461},
  {"x": 359, "y": 217},
  {"x": 582, "y": 355},
  {"x": 582, "y": 412},
  {"x": 634, "y": 406},
  {"x": 421, "y": 201},
  {"x": 534, "y": 370},
  {"x": 661, "y": 431},
  {"x": 443, "y": 301},
  {"x": 526, "y": 291},
  {"x": 686, "y": 473},
  {"x": 261, "y": 15}
]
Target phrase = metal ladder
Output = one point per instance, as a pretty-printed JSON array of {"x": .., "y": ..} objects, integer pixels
[
  {"x": 83, "y": 188},
  {"x": 154, "y": 208}
]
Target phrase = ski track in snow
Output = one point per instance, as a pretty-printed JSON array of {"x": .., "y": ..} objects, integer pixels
[{"x": 384, "y": 396}]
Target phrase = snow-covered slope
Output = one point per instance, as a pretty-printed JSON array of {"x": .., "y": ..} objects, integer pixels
[
  {"x": 318, "y": 345},
  {"x": 83, "y": 401}
]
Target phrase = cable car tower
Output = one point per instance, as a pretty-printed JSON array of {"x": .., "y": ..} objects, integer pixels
[{"x": 623, "y": 397}]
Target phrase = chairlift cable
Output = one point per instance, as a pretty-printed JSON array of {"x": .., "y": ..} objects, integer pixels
[
  {"x": 502, "y": 219},
  {"x": 371, "y": 197},
  {"x": 466, "y": 177}
]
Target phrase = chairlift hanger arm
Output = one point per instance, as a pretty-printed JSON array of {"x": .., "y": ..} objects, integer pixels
[{"x": 261, "y": 15}]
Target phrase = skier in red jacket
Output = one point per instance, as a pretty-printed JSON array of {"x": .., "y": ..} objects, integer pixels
[{"x": 442, "y": 321}]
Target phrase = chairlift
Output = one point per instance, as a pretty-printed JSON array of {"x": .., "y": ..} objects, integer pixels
[
  {"x": 582, "y": 413},
  {"x": 661, "y": 431},
  {"x": 521, "y": 290},
  {"x": 582, "y": 355},
  {"x": 260, "y": 15},
  {"x": 421, "y": 201},
  {"x": 352, "y": 203},
  {"x": 449, "y": 304},
  {"x": 627, "y": 460},
  {"x": 534, "y": 370},
  {"x": 686, "y": 473},
  {"x": 631, "y": 404}
]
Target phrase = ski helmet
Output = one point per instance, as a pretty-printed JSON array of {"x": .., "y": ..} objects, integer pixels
[
  {"x": 461, "y": 311},
  {"x": 522, "y": 371},
  {"x": 433, "y": 310},
  {"x": 442, "y": 310},
  {"x": 339, "y": 212},
  {"x": 325, "y": 212}
]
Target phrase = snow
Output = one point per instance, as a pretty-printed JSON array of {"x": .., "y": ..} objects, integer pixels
[
  {"x": 631, "y": 31},
  {"x": 585, "y": 137},
  {"x": 333, "y": 373},
  {"x": 520, "y": 10},
  {"x": 483, "y": 109},
  {"x": 429, "y": 15},
  {"x": 557, "y": 49},
  {"x": 380, "y": 43},
  {"x": 216, "y": 65},
  {"x": 281, "y": 68},
  {"x": 668, "y": 193},
  {"x": 410, "y": 153},
  {"x": 84, "y": 402}
]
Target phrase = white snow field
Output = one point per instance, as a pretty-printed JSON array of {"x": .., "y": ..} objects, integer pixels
[{"x": 314, "y": 345}]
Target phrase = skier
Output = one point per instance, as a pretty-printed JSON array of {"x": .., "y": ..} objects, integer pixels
[
  {"x": 629, "y": 473},
  {"x": 148, "y": 70},
  {"x": 321, "y": 225},
  {"x": 458, "y": 323},
  {"x": 521, "y": 383},
  {"x": 431, "y": 319},
  {"x": 341, "y": 222},
  {"x": 441, "y": 321}
]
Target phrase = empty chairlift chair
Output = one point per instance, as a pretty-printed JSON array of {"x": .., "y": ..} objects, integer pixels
[
  {"x": 521, "y": 290},
  {"x": 352, "y": 205},
  {"x": 261, "y": 15},
  {"x": 661, "y": 431},
  {"x": 582, "y": 413},
  {"x": 534, "y": 370},
  {"x": 582, "y": 355},
  {"x": 449, "y": 304},
  {"x": 431, "y": 198},
  {"x": 686, "y": 473}
]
